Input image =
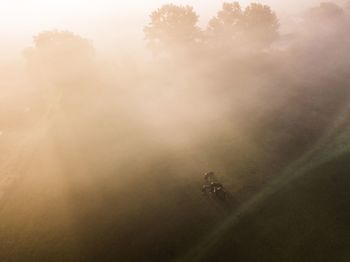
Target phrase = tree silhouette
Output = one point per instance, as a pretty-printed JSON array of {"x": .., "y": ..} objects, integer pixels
[
  {"x": 62, "y": 66},
  {"x": 172, "y": 26},
  {"x": 257, "y": 25},
  {"x": 227, "y": 23},
  {"x": 325, "y": 11},
  {"x": 60, "y": 56},
  {"x": 260, "y": 24}
]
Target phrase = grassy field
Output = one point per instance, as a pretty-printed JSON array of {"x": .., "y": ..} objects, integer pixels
[
  {"x": 91, "y": 183},
  {"x": 68, "y": 196},
  {"x": 306, "y": 219}
]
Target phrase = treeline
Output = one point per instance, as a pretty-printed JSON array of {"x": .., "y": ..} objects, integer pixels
[{"x": 173, "y": 26}]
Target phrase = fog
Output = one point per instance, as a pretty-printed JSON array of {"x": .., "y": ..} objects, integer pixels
[
  {"x": 104, "y": 22},
  {"x": 110, "y": 118}
]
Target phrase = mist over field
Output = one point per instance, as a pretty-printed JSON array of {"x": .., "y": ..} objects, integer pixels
[{"x": 103, "y": 146}]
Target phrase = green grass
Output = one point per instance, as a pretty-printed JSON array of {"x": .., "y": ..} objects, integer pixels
[{"x": 306, "y": 220}]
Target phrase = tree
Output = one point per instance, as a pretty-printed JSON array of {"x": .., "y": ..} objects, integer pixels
[
  {"x": 227, "y": 22},
  {"x": 328, "y": 20},
  {"x": 60, "y": 56},
  {"x": 260, "y": 24},
  {"x": 172, "y": 26},
  {"x": 63, "y": 68},
  {"x": 257, "y": 25},
  {"x": 325, "y": 10}
]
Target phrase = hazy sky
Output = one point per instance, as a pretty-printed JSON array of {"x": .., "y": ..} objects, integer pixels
[{"x": 100, "y": 19}]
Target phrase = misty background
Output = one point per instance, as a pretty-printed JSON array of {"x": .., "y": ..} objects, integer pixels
[
  {"x": 107, "y": 23},
  {"x": 110, "y": 114}
]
